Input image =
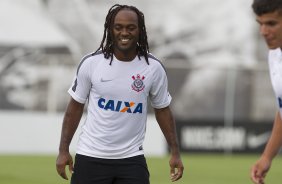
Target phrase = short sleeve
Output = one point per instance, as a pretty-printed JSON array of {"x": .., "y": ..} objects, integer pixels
[
  {"x": 81, "y": 84},
  {"x": 279, "y": 100},
  {"x": 159, "y": 94}
]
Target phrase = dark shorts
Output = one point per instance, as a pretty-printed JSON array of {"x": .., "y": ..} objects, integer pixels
[{"x": 89, "y": 170}]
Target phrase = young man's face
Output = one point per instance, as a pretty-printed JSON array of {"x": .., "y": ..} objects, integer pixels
[
  {"x": 125, "y": 33},
  {"x": 271, "y": 29}
]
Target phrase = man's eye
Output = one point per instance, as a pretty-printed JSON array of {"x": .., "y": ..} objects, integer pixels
[
  {"x": 131, "y": 28},
  {"x": 271, "y": 23},
  {"x": 118, "y": 28}
]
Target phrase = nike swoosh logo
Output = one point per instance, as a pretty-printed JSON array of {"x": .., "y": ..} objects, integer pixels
[{"x": 106, "y": 80}]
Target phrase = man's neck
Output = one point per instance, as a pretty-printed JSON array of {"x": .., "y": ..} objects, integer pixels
[{"x": 125, "y": 57}]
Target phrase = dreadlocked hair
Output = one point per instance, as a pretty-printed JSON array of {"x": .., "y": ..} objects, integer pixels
[{"x": 107, "y": 42}]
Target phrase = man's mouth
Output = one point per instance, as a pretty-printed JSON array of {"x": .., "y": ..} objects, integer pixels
[
  {"x": 124, "y": 40},
  {"x": 268, "y": 39}
]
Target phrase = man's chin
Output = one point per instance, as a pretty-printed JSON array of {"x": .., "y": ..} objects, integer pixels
[
  {"x": 272, "y": 47},
  {"x": 272, "y": 44},
  {"x": 126, "y": 48}
]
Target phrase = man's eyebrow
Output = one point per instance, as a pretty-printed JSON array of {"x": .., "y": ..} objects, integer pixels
[
  {"x": 258, "y": 22},
  {"x": 120, "y": 24}
]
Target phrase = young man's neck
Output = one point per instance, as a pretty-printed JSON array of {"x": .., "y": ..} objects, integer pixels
[{"x": 126, "y": 57}]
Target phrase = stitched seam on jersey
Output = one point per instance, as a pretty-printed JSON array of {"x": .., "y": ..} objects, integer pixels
[
  {"x": 154, "y": 58},
  {"x": 86, "y": 57}
]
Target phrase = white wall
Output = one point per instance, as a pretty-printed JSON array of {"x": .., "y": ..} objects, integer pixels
[{"x": 39, "y": 133}]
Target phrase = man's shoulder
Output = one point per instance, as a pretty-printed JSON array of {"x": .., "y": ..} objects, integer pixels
[
  {"x": 155, "y": 62},
  {"x": 153, "y": 58},
  {"x": 93, "y": 56},
  {"x": 88, "y": 60}
]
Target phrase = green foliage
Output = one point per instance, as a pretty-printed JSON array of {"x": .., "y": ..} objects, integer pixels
[{"x": 199, "y": 169}]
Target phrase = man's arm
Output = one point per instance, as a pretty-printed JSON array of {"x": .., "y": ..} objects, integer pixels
[
  {"x": 167, "y": 124},
  {"x": 261, "y": 167},
  {"x": 70, "y": 123}
]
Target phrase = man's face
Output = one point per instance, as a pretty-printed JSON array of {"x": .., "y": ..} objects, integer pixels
[
  {"x": 125, "y": 32},
  {"x": 271, "y": 29}
]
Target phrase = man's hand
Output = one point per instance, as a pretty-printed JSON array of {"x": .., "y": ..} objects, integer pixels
[
  {"x": 259, "y": 170},
  {"x": 176, "y": 168},
  {"x": 63, "y": 160}
]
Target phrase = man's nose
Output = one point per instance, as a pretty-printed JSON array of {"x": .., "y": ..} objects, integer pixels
[
  {"x": 124, "y": 31},
  {"x": 264, "y": 30}
]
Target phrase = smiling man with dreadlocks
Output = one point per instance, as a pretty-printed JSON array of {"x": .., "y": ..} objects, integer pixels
[
  {"x": 117, "y": 80},
  {"x": 142, "y": 46}
]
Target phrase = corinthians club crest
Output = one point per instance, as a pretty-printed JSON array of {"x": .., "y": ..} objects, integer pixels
[{"x": 138, "y": 84}]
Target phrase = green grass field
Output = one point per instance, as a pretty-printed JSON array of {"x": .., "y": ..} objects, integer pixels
[{"x": 199, "y": 169}]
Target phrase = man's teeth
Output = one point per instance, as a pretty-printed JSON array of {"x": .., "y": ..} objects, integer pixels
[{"x": 124, "y": 40}]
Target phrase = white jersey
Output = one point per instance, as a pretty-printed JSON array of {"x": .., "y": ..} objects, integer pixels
[
  {"x": 117, "y": 110},
  {"x": 275, "y": 68}
]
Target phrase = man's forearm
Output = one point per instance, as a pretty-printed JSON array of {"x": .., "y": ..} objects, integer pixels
[
  {"x": 167, "y": 124},
  {"x": 275, "y": 140},
  {"x": 70, "y": 123}
]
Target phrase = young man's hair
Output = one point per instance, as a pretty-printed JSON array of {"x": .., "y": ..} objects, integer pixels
[
  {"x": 107, "y": 42},
  {"x": 261, "y": 7}
]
